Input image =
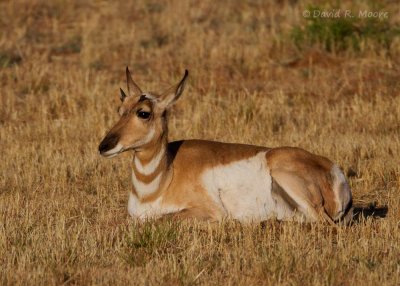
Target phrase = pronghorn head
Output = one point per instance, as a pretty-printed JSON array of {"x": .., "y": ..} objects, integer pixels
[{"x": 142, "y": 118}]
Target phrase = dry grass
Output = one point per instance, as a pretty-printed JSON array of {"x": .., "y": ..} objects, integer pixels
[{"x": 63, "y": 217}]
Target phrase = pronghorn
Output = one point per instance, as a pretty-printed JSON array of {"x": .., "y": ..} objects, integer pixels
[{"x": 213, "y": 180}]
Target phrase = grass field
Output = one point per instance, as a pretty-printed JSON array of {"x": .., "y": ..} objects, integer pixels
[{"x": 258, "y": 75}]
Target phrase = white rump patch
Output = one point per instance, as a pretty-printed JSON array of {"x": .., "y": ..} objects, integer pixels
[{"x": 341, "y": 189}]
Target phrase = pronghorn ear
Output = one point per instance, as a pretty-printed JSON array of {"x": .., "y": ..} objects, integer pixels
[
  {"x": 122, "y": 95},
  {"x": 133, "y": 88},
  {"x": 173, "y": 93}
]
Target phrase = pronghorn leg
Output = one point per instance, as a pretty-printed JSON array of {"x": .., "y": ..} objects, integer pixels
[
  {"x": 313, "y": 182},
  {"x": 326, "y": 217},
  {"x": 298, "y": 195},
  {"x": 304, "y": 196},
  {"x": 190, "y": 213}
]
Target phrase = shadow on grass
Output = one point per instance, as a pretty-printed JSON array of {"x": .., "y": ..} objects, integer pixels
[
  {"x": 360, "y": 213},
  {"x": 363, "y": 212}
]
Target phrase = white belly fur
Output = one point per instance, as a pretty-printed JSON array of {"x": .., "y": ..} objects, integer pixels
[{"x": 243, "y": 189}]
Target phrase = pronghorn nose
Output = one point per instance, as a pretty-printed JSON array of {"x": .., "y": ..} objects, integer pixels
[{"x": 109, "y": 142}]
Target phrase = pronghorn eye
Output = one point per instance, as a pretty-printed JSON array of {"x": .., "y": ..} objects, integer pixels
[{"x": 143, "y": 114}]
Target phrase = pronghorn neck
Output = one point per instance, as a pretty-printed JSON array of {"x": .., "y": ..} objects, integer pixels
[{"x": 150, "y": 170}]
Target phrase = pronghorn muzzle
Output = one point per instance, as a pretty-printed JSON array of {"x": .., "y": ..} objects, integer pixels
[{"x": 108, "y": 143}]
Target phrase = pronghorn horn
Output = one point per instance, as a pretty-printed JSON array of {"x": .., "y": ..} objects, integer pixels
[
  {"x": 181, "y": 85},
  {"x": 133, "y": 88},
  {"x": 123, "y": 95}
]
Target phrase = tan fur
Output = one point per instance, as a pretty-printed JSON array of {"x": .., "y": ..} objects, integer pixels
[
  {"x": 308, "y": 174},
  {"x": 149, "y": 178}
]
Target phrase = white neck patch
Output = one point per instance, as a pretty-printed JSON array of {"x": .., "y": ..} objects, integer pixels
[
  {"x": 143, "y": 189},
  {"x": 150, "y": 167}
]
